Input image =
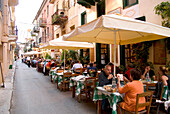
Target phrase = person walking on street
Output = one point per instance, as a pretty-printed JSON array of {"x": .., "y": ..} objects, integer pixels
[{"x": 28, "y": 61}]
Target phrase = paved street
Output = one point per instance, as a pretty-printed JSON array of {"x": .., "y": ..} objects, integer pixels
[{"x": 35, "y": 94}]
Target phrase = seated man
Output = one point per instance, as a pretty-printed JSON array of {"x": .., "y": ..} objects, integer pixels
[
  {"x": 105, "y": 77},
  {"x": 148, "y": 73},
  {"x": 77, "y": 65}
]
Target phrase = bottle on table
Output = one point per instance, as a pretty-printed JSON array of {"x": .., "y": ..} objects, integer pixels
[{"x": 114, "y": 82}]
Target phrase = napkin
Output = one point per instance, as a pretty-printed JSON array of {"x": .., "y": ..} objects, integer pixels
[{"x": 79, "y": 77}]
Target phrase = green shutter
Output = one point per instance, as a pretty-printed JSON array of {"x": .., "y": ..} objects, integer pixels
[
  {"x": 91, "y": 2},
  {"x": 98, "y": 54},
  {"x": 84, "y": 3},
  {"x": 122, "y": 55}
]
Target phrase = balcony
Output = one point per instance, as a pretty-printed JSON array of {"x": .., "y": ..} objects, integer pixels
[
  {"x": 42, "y": 22},
  {"x": 58, "y": 18},
  {"x": 52, "y": 1},
  {"x": 36, "y": 29},
  {"x": 13, "y": 2},
  {"x": 13, "y": 33}
]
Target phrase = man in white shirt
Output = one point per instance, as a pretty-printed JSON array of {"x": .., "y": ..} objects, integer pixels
[{"x": 77, "y": 65}]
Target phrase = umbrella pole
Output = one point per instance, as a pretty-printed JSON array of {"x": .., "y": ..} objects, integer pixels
[
  {"x": 114, "y": 52},
  {"x": 64, "y": 59}
]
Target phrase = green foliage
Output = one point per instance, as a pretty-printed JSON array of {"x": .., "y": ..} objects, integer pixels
[
  {"x": 163, "y": 9},
  {"x": 141, "y": 65},
  {"x": 122, "y": 68},
  {"x": 141, "y": 51},
  {"x": 47, "y": 56},
  {"x": 73, "y": 54},
  {"x": 66, "y": 55}
]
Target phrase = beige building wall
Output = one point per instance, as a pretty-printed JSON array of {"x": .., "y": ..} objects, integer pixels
[
  {"x": 147, "y": 9},
  {"x": 113, "y": 5},
  {"x": 8, "y": 14}
]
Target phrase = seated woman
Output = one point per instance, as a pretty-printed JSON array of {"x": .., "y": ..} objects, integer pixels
[
  {"x": 131, "y": 90},
  {"x": 163, "y": 71}
]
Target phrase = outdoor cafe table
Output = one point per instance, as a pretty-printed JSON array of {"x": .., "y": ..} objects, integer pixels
[
  {"x": 165, "y": 91},
  {"x": 100, "y": 93},
  {"x": 80, "y": 83}
]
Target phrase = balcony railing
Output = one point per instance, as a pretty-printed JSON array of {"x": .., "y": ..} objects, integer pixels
[
  {"x": 58, "y": 18},
  {"x": 13, "y": 30},
  {"x": 36, "y": 29},
  {"x": 42, "y": 22},
  {"x": 13, "y": 33}
]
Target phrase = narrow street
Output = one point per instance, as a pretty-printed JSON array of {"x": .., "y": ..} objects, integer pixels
[{"x": 35, "y": 94}]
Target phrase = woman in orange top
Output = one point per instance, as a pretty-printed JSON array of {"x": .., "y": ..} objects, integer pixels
[{"x": 131, "y": 90}]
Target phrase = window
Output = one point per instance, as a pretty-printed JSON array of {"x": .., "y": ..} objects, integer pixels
[
  {"x": 57, "y": 35},
  {"x": 63, "y": 32},
  {"x": 127, "y": 3},
  {"x": 47, "y": 32},
  {"x": 47, "y": 11},
  {"x": 83, "y": 18},
  {"x": 72, "y": 27}
]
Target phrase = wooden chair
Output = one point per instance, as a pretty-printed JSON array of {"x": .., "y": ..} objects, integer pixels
[
  {"x": 154, "y": 104},
  {"x": 66, "y": 80},
  {"x": 79, "y": 71},
  {"x": 88, "y": 87},
  {"x": 146, "y": 104}
]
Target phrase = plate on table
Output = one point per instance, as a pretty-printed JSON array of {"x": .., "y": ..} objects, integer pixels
[{"x": 109, "y": 88}]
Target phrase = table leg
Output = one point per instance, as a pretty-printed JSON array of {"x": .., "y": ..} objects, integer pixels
[
  {"x": 73, "y": 91},
  {"x": 99, "y": 107},
  {"x": 57, "y": 84}
]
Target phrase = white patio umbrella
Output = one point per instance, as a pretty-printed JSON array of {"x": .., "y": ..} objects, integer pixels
[
  {"x": 61, "y": 44},
  {"x": 114, "y": 29},
  {"x": 32, "y": 53}
]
